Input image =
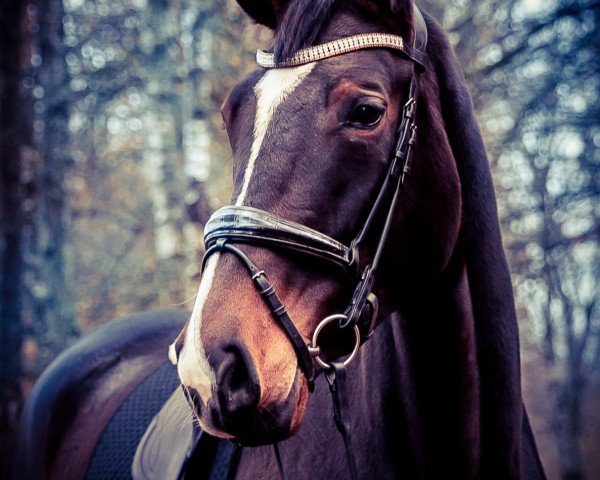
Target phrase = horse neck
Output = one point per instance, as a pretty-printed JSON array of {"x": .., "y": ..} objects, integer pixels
[
  {"x": 418, "y": 379},
  {"x": 413, "y": 396}
]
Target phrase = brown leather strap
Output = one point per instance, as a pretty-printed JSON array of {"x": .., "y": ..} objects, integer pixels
[{"x": 278, "y": 310}]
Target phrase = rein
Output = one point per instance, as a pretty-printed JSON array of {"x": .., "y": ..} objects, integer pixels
[{"x": 233, "y": 225}]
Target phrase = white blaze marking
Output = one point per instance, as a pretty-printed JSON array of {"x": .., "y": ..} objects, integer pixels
[
  {"x": 271, "y": 90},
  {"x": 193, "y": 367}
]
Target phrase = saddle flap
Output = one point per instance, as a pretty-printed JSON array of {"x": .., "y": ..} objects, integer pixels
[{"x": 167, "y": 443}]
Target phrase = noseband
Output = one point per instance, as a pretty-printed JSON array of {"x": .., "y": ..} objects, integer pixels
[{"x": 232, "y": 225}]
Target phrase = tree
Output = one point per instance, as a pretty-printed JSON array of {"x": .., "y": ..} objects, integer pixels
[
  {"x": 52, "y": 292},
  {"x": 15, "y": 138},
  {"x": 151, "y": 158}
]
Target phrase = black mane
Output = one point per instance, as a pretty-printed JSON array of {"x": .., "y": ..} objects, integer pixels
[{"x": 301, "y": 24}]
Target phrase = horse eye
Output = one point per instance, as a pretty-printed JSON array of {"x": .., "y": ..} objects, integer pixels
[{"x": 366, "y": 115}]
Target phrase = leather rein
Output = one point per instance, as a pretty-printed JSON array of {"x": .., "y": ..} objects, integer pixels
[{"x": 233, "y": 225}]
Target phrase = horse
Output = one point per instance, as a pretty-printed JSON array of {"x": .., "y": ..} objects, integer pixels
[{"x": 359, "y": 270}]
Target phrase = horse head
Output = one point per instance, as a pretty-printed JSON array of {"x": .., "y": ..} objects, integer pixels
[{"x": 312, "y": 141}]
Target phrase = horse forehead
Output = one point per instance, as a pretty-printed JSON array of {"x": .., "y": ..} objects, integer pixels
[
  {"x": 273, "y": 86},
  {"x": 298, "y": 92},
  {"x": 373, "y": 65},
  {"x": 273, "y": 89}
]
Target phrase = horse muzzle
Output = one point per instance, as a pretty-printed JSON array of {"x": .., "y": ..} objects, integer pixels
[{"x": 239, "y": 409}]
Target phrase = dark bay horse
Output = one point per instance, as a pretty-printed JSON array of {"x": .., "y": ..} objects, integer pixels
[
  {"x": 435, "y": 392},
  {"x": 317, "y": 138}
]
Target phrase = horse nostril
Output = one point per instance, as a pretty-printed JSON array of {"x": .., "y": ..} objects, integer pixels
[{"x": 237, "y": 383}]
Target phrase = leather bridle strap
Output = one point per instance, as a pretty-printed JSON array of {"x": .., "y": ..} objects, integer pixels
[
  {"x": 242, "y": 224},
  {"x": 336, "y": 379},
  {"x": 278, "y": 310},
  {"x": 282, "y": 474},
  {"x": 398, "y": 171}
]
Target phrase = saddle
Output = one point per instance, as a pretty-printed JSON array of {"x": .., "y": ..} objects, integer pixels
[{"x": 113, "y": 397}]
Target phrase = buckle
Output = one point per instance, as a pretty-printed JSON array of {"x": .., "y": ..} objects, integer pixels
[
  {"x": 315, "y": 351},
  {"x": 359, "y": 297}
]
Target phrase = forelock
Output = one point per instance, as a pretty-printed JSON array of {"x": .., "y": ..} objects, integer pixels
[{"x": 302, "y": 23}]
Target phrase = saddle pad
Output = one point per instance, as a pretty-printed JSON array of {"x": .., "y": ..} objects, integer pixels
[{"x": 117, "y": 445}]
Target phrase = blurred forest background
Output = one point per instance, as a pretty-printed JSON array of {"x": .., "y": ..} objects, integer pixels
[{"x": 113, "y": 156}]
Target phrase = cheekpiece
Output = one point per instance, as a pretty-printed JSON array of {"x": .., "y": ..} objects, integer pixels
[{"x": 332, "y": 49}]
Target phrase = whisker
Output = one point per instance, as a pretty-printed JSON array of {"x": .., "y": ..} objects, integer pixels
[{"x": 191, "y": 299}]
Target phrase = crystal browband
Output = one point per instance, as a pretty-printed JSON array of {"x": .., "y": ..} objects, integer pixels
[{"x": 335, "y": 47}]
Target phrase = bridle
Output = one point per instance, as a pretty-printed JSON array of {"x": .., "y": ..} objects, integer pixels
[{"x": 233, "y": 225}]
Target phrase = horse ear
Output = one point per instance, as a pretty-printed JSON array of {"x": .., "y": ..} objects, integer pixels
[{"x": 264, "y": 12}]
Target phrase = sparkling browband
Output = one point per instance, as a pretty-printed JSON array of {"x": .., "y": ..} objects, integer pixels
[{"x": 333, "y": 48}]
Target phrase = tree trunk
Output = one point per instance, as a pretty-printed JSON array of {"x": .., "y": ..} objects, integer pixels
[
  {"x": 567, "y": 428},
  {"x": 15, "y": 131},
  {"x": 55, "y": 302}
]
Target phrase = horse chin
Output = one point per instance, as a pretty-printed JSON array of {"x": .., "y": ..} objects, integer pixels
[{"x": 267, "y": 424}]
